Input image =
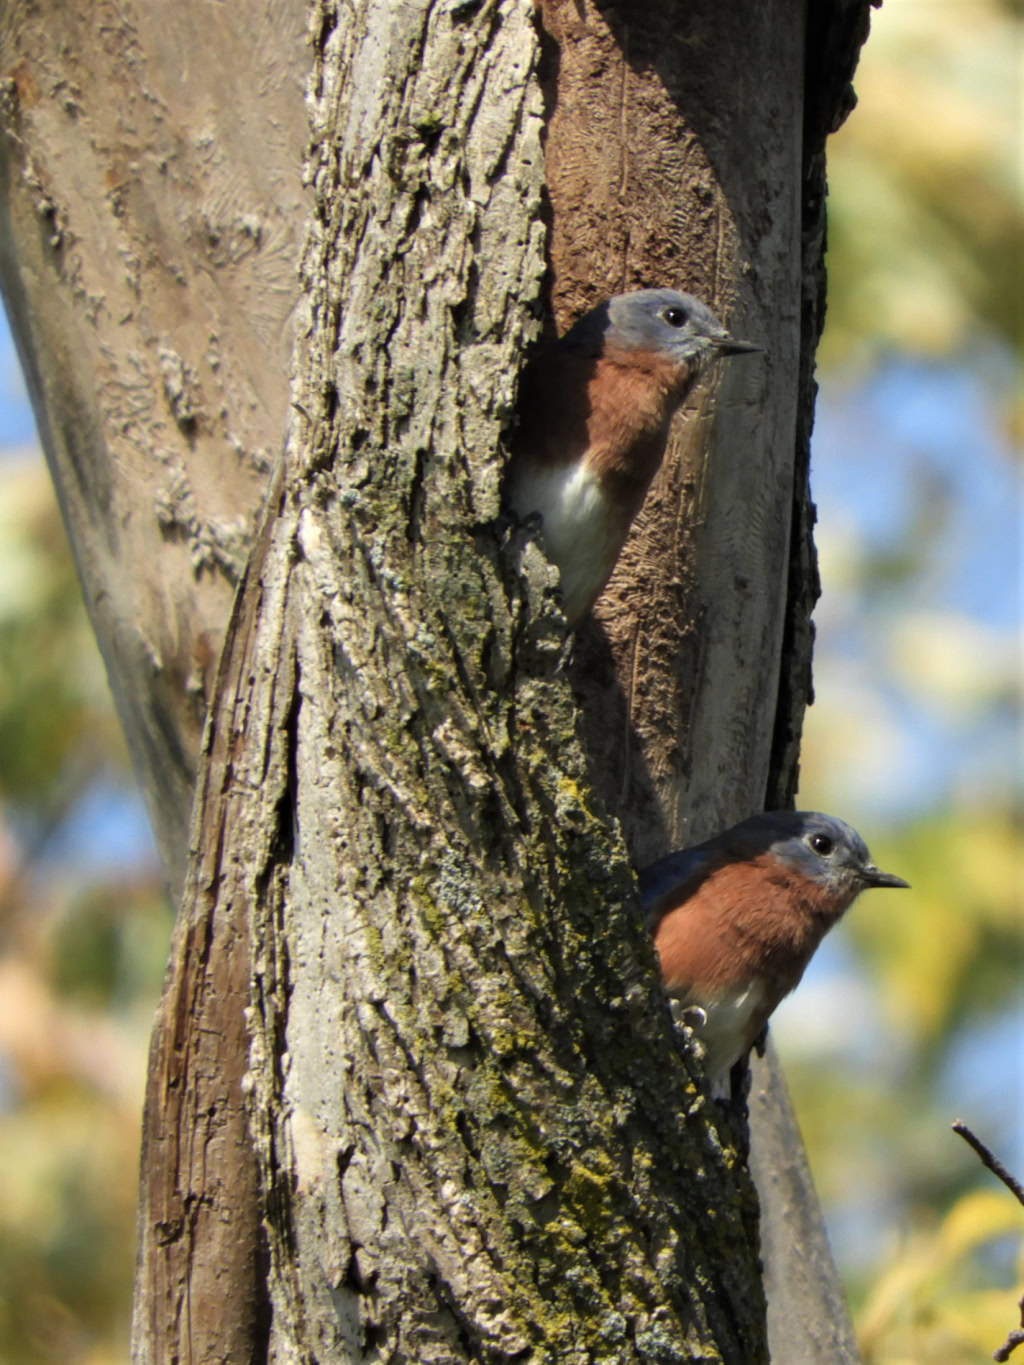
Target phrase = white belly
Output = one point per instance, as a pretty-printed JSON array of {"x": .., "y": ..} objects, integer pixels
[
  {"x": 581, "y": 532},
  {"x": 724, "y": 1033}
]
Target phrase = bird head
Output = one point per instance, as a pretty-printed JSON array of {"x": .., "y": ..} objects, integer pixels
[
  {"x": 662, "y": 321},
  {"x": 824, "y": 849}
]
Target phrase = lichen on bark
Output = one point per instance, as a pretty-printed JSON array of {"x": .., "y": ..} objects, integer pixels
[{"x": 478, "y": 1136}]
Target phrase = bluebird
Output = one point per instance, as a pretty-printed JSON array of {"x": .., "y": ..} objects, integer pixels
[
  {"x": 594, "y": 417},
  {"x": 737, "y": 919}
]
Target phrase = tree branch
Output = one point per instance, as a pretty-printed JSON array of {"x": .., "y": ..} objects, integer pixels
[{"x": 989, "y": 1159}]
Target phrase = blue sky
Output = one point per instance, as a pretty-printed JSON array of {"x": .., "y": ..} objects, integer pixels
[
  {"x": 913, "y": 464},
  {"x": 926, "y": 430},
  {"x": 17, "y": 425}
]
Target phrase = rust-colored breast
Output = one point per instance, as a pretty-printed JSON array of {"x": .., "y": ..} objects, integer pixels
[
  {"x": 745, "y": 919},
  {"x": 633, "y": 395},
  {"x": 612, "y": 409}
]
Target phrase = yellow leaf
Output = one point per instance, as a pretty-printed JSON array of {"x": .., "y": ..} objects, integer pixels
[{"x": 978, "y": 1217}]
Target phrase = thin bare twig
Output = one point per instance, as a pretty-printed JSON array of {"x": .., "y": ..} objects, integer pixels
[
  {"x": 1014, "y": 1340},
  {"x": 989, "y": 1159}
]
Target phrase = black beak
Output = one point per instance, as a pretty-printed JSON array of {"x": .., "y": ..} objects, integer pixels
[
  {"x": 874, "y": 877},
  {"x": 730, "y": 346}
]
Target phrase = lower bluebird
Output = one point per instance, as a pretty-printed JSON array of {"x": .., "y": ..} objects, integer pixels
[
  {"x": 594, "y": 415},
  {"x": 737, "y": 919}
]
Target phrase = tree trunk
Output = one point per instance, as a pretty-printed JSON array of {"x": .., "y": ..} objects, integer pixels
[
  {"x": 150, "y": 220},
  {"x": 476, "y": 1136}
]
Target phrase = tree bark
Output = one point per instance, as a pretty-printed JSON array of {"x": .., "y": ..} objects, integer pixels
[
  {"x": 475, "y": 1134},
  {"x": 151, "y": 214},
  {"x": 469, "y": 1105}
]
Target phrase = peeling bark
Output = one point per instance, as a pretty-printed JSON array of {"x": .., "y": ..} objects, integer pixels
[{"x": 202, "y": 1260}]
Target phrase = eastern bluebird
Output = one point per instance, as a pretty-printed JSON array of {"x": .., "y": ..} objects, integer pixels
[
  {"x": 594, "y": 416},
  {"x": 737, "y": 919}
]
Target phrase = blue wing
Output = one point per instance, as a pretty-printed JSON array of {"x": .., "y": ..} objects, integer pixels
[{"x": 672, "y": 873}]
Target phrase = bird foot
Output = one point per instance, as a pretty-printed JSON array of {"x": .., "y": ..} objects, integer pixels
[
  {"x": 689, "y": 1021},
  {"x": 688, "y": 1016}
]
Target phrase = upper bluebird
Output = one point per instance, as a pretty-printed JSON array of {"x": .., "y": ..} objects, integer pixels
[
  {"x": 660, "y": 320},
  {"x": 593, "y": 422}
]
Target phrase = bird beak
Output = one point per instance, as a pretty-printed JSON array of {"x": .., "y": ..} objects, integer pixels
[
  {"x": 730, "y": 346},
  {"x": 875, "y": 877}
]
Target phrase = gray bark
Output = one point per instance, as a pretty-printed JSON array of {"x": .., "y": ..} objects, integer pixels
[
  {"x": 471, "y": 1113},
  {"x": 427, "y": 824},
  {"x": 808, "y": 1320},
  {"x": 150, "y": 219}
]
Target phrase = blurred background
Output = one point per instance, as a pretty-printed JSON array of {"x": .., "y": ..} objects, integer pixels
[{"x": 913, "y": 1012}]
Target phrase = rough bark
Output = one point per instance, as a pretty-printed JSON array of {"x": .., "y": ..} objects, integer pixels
[
  {"x": 471, "y": 1113},
  {"x": 150, "y": 219},
  {"x": 202, "y": 1253}
]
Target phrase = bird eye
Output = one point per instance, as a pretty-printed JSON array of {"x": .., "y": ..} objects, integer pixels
[
  {"x": 821, "y": 843},
  {"x": 675, "y": 317}
]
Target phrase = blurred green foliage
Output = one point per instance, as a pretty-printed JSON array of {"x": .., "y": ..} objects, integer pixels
[
  {"x": 925, "y": 187},
  {"x": 929, "y": 1300},
  {"x": 953, "y": 956},
  {"x": 925, "y": 220},
  {"x": 82, "y": 952},
  {"x": 56, "y": 727}
]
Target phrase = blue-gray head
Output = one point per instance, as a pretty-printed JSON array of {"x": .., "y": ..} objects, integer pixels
[
  {"x": 662, "y": 320},
  {"x": 825, "y": 849}
]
